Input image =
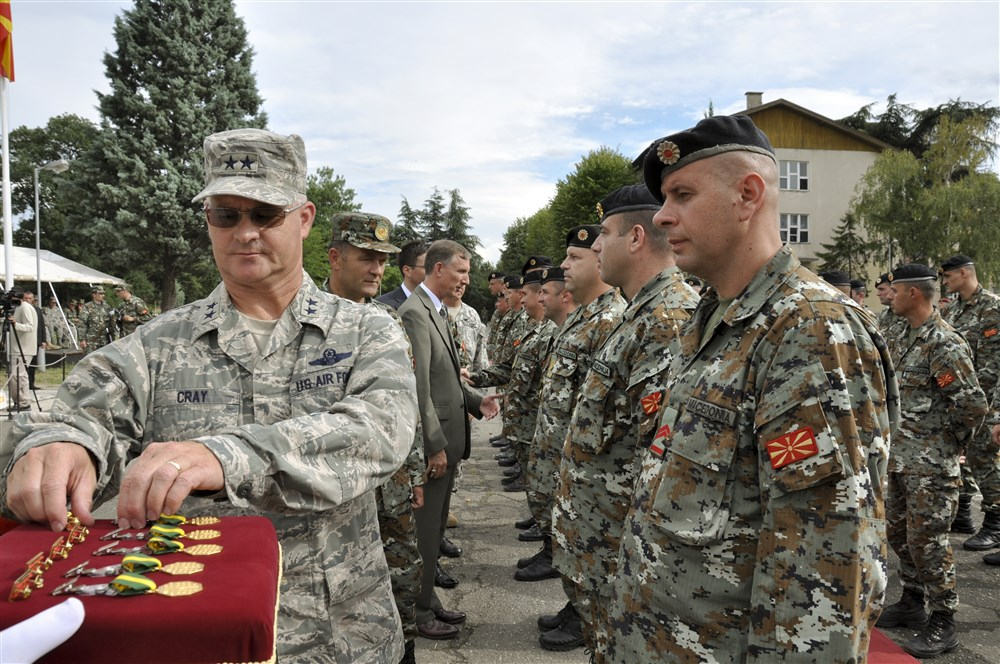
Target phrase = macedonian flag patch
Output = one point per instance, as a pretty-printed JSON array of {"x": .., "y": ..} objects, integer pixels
[
  {"x": 992, "y": 332},
  {"x": 651, "y": 402},
  {"x": 792, "y": 447},
  {"x": 945, "y": 379}
]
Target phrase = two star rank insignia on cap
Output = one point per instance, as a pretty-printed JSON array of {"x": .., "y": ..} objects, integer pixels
[
  {"x": 247, "y": 162},
  {"x": 792, "y": 447}
]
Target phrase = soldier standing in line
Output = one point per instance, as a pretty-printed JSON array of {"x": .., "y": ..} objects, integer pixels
[
  {"x": 585, "y": 330},
  {"x": 132, "y": 312},
  {"x": 95, "y": 322},
  {"x": 471, "y": 333},
  {"x": 975, "y": 313},
  {"x": 618, "y": 400},
  {"x": 359, "y": 248},
  {"x": 942, "y": 406},
  {"x": 496, "y": 289},
  {"x": 56, "y": 325},
  {"x": 757, "y": 530},
  {"x": 890, "y": 324}
]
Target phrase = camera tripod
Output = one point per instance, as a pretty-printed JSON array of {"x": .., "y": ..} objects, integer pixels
[{"x": 7, "y": 332}]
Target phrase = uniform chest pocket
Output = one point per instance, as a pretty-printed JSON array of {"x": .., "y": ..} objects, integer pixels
[
  {"x": 915, "y": 388},
  {"x": 693, "y": 494},
  {"x": 183, "y": 413},
  {"x": 595, "y": 413},
  {"x": 316, "y": 391},
  {"x": 562, "y": 367}
]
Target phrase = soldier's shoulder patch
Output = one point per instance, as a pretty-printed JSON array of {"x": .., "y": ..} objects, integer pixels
[
  {"x": 517, "y": 342},
  {"x": 991, "y": 332},
  {"x": 945, "y": 378},
  {"x": 795, "y": 446},
  {"x": 651, "y": 402}
]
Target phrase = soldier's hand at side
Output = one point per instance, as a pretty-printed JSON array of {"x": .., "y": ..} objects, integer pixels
[
  {"x": 162, "y": 477},
  {"x": 996, "y": 433},
  {"x": 44, "y": 478},
  {"x": 465, "y": 376},
  {"x": 417, "y": 500},
  {"x": 490, "y": 407}
]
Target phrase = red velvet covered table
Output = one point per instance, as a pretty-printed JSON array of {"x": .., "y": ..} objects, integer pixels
[{"x": 232, "y": 620}]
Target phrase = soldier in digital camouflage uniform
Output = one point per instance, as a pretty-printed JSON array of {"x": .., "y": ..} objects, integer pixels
[
  {"x": 131, "y": 313},
  {"x": 890, "y": 324},
  {"x": 57, "y": 326},
  {"x": 585, "y": 330},
  {"x": 471, "y": 339},
  {"x": 618, "y": 400},
  {"x": 942, "y": 406},
  {"x": 757, "y": 531},
  {"x": 496, "y": 320},
  {"x": 358, "y": 250},
  {"x": 73, "y": 319},
  {"x": 283, "y": 401},
  {"x": 95, "y": 321},
  {"x": 975, "y": 313}
]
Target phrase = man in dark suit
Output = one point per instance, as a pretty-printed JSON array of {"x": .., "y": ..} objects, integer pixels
[
  {"x": 411, "y": 264},
  {"x": 443, "y": 408}
]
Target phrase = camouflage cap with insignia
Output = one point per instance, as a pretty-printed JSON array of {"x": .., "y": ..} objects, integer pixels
[
  {"x": 364, "y": 230},
  {"x": 955, "y": 262},
  {"x": 583, "y": 236},
  {"x": 536, "y": 263},
  {"x": 712, "y": 136},
  {"x": 122, "y": 286},
  {"x": 97, "y": 289},
  {"x": 626, "y": 199},
  {"x": 912, "y": 272},
  {"x": 255, "y": 164},
  {"x": 553, "y": 274}
]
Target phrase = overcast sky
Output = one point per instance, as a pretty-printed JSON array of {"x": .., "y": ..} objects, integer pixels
[{"x": 502, "y": 99}]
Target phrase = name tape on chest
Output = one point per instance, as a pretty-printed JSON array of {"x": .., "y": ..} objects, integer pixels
[
  {"x": 601, "y": 369},
  {"x": 711, "y": 411}
]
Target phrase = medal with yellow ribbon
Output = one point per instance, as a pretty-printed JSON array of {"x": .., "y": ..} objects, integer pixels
[{"x": 128, "y": 585}]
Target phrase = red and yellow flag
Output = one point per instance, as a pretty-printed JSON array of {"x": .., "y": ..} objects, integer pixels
[
  {"x": 792, "y": 447},
  {"x": 6, "y": 41}
]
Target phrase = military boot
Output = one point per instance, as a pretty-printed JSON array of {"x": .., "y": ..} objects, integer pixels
[
  {"x": 541, "y": 568},
  {"x": 524, "y": 562},
  {"x": 408, "y": 654},
  {"x": 939, "y": 637},
  {"x": 551, "y": 621},
  {"x": 988, "y": 536},
  {"x": 907, "y": 612},
  {"x": 989, "y": 558},
  {"x": 963, "y": 520},
  {"x": 567, "y": 636}
]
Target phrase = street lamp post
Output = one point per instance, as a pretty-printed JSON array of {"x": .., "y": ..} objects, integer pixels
[{"x": 57, "y": 166}]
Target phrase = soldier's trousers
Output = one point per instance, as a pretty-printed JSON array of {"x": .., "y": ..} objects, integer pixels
[
  {"x": 919, "y": 512},
  {"x": 982, "y": 468},
  {"x": 398, "y": 530}
]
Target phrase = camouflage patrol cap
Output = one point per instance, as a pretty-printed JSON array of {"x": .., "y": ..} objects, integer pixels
[
  {"x": 255, "y": 164},
  {"x": 710, "y": 137},
  {"x": 553, "y": 274},
  {"x": 912, "y": 272},
  {"x": 583, "y": 236},
  {"x": 534, "y": 277},
  {"x": 536, "y": 263},
  {"x": 955, "y": 262},
  {"x": 364, "y": 230},
  {"x": 122, "y": 286},
  {"x": 626, "y": 199},
  {"x": 97, "y": 289},
  {"x": 835, "y": 278}
]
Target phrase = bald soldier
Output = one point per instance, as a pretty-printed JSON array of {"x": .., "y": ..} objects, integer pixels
[{"x": 757, "y": 533}]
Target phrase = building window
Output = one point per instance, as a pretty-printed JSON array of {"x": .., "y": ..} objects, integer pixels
[
  {"x": 795, "y": 228},
  {"x": 795, "y": 175}
]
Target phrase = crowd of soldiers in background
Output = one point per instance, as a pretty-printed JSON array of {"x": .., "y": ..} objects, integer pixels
[{"x": 91, "y": 325}]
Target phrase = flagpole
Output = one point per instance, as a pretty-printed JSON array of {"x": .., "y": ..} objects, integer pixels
[{"x": 8, "y": 233}]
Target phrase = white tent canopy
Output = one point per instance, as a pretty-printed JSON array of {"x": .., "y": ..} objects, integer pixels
[{"x": 55, "y": 269}]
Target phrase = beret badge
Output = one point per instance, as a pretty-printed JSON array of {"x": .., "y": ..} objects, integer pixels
[
  {"x": 582, "y": 235},
  {"x": 600, "y": 211},
  {"x": 532, "y": 262},
  {"x": 668, "y": 152},
  {"x": 382, "y": 231},
  {"x": 545, "y": 274}
]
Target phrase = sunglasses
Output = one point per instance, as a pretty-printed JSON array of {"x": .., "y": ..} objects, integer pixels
[{"x": 262, "y": 217}]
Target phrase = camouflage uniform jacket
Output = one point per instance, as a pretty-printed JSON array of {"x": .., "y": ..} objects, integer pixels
[
  {"x": 511, "y": 339},
  {"x": 521, "y": 402},
  {"x": 583, "y": 332},
  {"x": 135, "y": 308},
  {"x": 304, "y": 432},
  {"x": 757, "y": 532},
  {"x": 941, "y": 400},
  {"x": 95, "y": 323},
  {"x": 472, "y": 334},
  {"x": 494, "y": 333},
  {"x": 891, "y": 324},
  {"x": 57, "y": 328},
  {"x": 623, "y": 388},
  {"x": 978, "y": 320}
]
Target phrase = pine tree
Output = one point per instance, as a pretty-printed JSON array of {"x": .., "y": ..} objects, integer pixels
[
  {"x": 850, "y": 251},
  {"x": 181, "y": 71},
  {"x": 432, "y": 217},
  {"x": 407, "y": 226},
  {"x": 456, "y": 223}
]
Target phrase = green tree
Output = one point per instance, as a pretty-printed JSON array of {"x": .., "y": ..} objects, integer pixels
[
  {"x": 432, "y": 217},
  {"x": 407, "y": 226},
  {"x": 851, "y": 251},
  {"x": 597, "y": 174},
  {"x": 330, "y": 193},
  {"x": 181, "y": 70}
]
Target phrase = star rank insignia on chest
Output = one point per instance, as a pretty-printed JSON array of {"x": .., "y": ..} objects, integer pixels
[
  {"x": 792, "y": 447},
  {"x": 651, "y": 402},
  {"x": 945, "y": 379}
]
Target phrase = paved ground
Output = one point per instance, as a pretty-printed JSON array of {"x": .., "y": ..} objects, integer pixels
[{"x": 502, "y": 611}]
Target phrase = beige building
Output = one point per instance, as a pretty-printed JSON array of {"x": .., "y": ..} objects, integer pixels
[{"x": 820, "y": 163}]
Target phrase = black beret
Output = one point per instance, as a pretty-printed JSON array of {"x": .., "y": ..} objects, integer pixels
[
  {"x": 496, "y": 275},
  {"x": 533, "y": 277},
  {"x": 857, "y": 284},
  {"x": 552, "y": 274},
  {"x": 626, "y": 199},
  {"x": 536, "y": 262},
  {"x": 583, "y": 236},
  {"x": 710, "y": 137},
  {"x": 912, "y": 272},
  {"x": 512, "y": 281},
  {"x": 955, "y": 262},
  {"x": 693, "y": 281},
  {"x": 882, "y": 279},
  {"x": 836, "y": 278}
]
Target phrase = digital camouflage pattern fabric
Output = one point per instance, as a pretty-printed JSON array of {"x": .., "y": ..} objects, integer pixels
[
  {"x": 621, "y": 393},
  {"x": 95, "y": 325},
  {"x": 305, "y": 431},
  {"x": 134, "y": 308},
  {"x": 495, "y": 333},
  {"x": 757, "y": 531},
  {"x": 471, "y": 339},
  {"x": 942, "y": 405}
]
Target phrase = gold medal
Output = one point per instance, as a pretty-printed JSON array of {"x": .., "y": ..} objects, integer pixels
[
  {"x": 203, "y": 549},
  {"x": 204, "y": 520},
  {"x": 179, "y": 588},
  {"x": 183, "y": 568},
  {"x": 202, "y": 534}
]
